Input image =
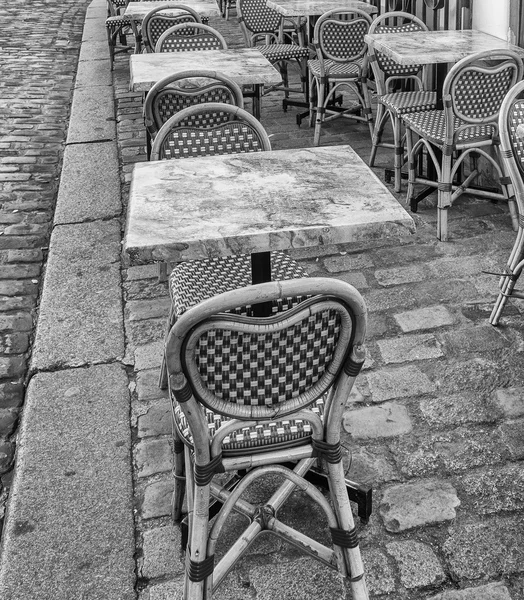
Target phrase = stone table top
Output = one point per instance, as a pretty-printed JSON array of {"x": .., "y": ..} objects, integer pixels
[
  {"x": 138, "y": 10},
  {"x": 198, "y": 208},
  {"x": 245, "y": 66},
  {"x": 429, "y": 47},
  {"x": 312, "y": 8}
]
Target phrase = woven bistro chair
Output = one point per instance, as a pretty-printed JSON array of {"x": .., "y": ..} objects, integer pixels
[
  {"x": 341, "y": 63},
  {"x": 249, "y": 393},
  {"x": 389, "y": 77},
  {"x": 199, "y": 130},
  {"x": 467, "y": 127},
  {"x": 511, "y": 126},
  {"x": 263, "y": 27},
  {"x": 176, "y": 92},
  {"x": 156, "y": 22},
  {"x": 118, "y": 27},
  {"x": 193, "y": 36}
]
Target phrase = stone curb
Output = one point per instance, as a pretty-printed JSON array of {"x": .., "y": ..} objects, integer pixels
[{"x": 69, "y": 528}]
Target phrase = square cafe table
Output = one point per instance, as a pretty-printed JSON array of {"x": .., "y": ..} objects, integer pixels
[
  {"x": 315, "y": 8},
  {"x": 245, "y": 66},
  {"x": 441, "y": 48},
  {"x": 197, "y": 208}
]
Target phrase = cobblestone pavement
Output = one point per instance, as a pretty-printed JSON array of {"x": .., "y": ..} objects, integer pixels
[
  {"x": 39, "y": 45},
  {"x": 435, "y": 424}
]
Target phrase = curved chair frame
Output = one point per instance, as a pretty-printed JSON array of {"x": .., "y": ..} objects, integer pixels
[
  {"x": 191, "y": 36},
  {"x": 177, "y": 133},
  {"x": 341, "y": 62},
  {"x": 511, "y": 126},
  {"x": 392, "y": 102},
  {"x": 266, "y": 29},
  {"x": 180, "y": 90},
  {"x": 332, "y": 305},
  {"x": 467, "y": 127},
  {"x": 156, "y": 22}
]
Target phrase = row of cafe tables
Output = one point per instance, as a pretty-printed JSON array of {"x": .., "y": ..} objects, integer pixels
[{"x": 255, "y": 203}]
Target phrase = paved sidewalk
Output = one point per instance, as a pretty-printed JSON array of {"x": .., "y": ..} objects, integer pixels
[{"x": 435, "y": 424}]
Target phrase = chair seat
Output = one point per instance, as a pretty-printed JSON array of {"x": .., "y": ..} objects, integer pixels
[
  {"x": 276, "y": 52},
  {"x": 270, "y": 435},
  {"x": 431, "y": 125},
  {"x": 193, "y": 282},
  {"x": 117, "y": 21},
  {"x": 335, "y": 69},
  {"x": 401, "y": 103}
]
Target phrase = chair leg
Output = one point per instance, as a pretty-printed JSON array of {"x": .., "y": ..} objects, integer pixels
[
  {"x": 505, "y": 292},
  {"x": 179, "y": 477},
  {"x": 412, "y": 162},
  {"x": 312, "y": 97},
  {"x": 399, "y": 151},
  {"x": 376, "y": 138},
  {"x": 321, "y": 87},
  {"x": 346, "y": 525},
  {"x": 444, "y": 198}
]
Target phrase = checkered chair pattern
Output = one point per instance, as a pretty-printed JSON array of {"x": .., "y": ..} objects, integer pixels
[
  {"x": 467, "y": 127},
  {"x": 118, "y": 27},
  {"x": 511, "y": 127},
  {"x": 190, "y": 37},
  {"x": 263, "y": 27},
  {"x": 340, "y": 64},
  {"x": 391, "y": 102},
  {"x": 254, "y": 392},
  {"x": 156, "y": 22},
  {"x": 181, "y": 90}
]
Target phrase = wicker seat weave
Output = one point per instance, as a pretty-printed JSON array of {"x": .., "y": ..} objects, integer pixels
[
  {"x": 431, "y": 125},
  {"x": 467, "y": 127},
  {"x": 402, "y": 103},
  {"x": 340, "y": 64},
  {"x": 193, "y": 282},
  {"x": 117, "y": 21},
  {"x": 277, "y": 52},
  {"x": 286, "y": 433},
  {"x": 511, "y": 125},
  {"x": 393, "y": 103},
  {"x": 251, "y": 393}
]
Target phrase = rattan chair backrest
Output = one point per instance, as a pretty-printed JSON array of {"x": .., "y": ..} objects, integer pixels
[
  {"x": 476, "y": 85},
  {"x": 259, "y": 22},
  {"x": 156, "y": 22},
  {"x": 262, "y": 368},
  {"x": 385, "y": 69},
  {"x": 193, "y": 36},
  {"x": 181, "y": 90},
  {"x": 511, "y": 126},
  {"x": 184, "y": 136},
  {"x": 339, "y": 34}
]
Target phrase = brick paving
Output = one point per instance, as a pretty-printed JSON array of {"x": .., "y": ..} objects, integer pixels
[
  {"x": 39, "y": 45},
  {"x": 434, "y": 423}
]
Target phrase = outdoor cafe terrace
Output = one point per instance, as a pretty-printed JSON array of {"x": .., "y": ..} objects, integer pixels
[{"x": 429, "y": 405}]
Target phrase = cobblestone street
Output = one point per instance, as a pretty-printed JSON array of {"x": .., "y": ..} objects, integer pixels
[
  {"x": 435, "y": 424},
  {"x": 40, "y": 42}
]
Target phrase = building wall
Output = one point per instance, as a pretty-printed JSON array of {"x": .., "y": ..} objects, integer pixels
[{"x": 491, "y": 16}]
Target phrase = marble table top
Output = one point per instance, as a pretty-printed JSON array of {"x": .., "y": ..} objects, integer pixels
[
  {"x": 197, "y": 208},
  {"x": 429, "y": 47},
  {"x": 245, "y": 66},
  {"x": 312, "y": 8},
  {"x": 138, "y": 10}
]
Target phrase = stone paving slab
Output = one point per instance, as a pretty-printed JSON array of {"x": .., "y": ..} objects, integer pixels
[
  {"x": 92, "y": 115},
  {"x": 70, "y": 531},
  {"x": 80, "y": 318},
  {"x": 90, "y": 184}
]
